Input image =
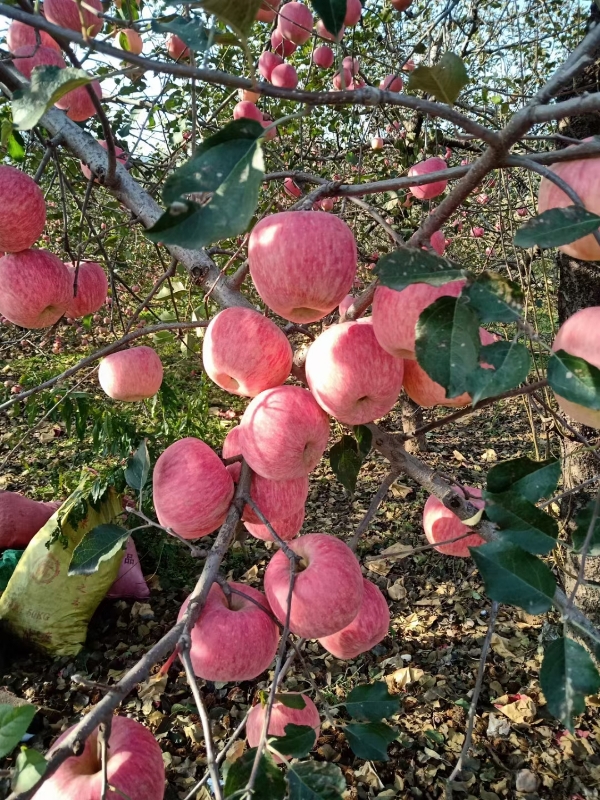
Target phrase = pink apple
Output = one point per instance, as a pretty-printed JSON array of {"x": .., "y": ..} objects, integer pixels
[
  {"x": 78, "y": 103},
  {"x": 401, "y": 5},
  {"x": 245, "y": 353},
  {"x": 367, "y": 629},
  {"x": 409, "y": 65},
  {"x": 66, "y": 14},
  {"x": 21, "y": 518},
  {"x": 438, "y": 242},
  {"x": 92, "y": 287},
  {"x": 522, "y": 212},
  {"x": 326, "y": 204},
  {"x": 440, "y": 524},
  {"x": 192, "y": 488},
  {"x": 345, "y": 304},
  {"x": 284, "y": 76},
  {"x": 232, "y": 443},
  {"x": 353, "y": 13},
  {"x": 248, "y": 96},
  {"x": 130, "y": 40},
  {"x": 176, "y": 48},
  {"x": 280, "y": 45},
  {"x": 328, "y": 590},
  {"x": 285, "y": 528},
  {"x": 295, "y": 22},
  {"x": 42, "y": 56},
  {"x": 275, "y": 499},
  {"x": 342, "y": 80},
  {"x": 284, "y": 433},
  {"x": 303, "y": 263},
  {"x": 395, "y": 314},
  {"x": 580, "y": 336},
  {"x": 22, "y": 210},
  {"x": 483, "y": 199},
  {"x": 267, "y": 63},
  {"x": 268, "y": 11},
  {"x": 281, "y": 715},
  {"x": 325, "y": 34},
  {"x": 35, "y": 288},
  {"x": 323, "y": 56},
  {"x": 352, "y": 64},
  {"x": 377, "y": 143},
  {"x": 357, "y": 83},
  {"x": 266, "y": 123},
  {"x": 119, "y": 153},
  {"x": 477, "y": 233},
  {"x": 351, "y": 376},
  {"x": 134, "y": 766},
  {"x": 234, "y": 639},
  {"x": 428, "y": 190},
  {"x": 20, "y": 35},
  {"x": 393, "y": 83},
  {"x": 247, "y": 110},
  {"x": 292, "y": 188},
  {"x": 130, "y": 375}
]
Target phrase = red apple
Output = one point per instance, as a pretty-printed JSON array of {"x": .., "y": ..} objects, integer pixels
[
  {"x": 395, "y": 314},
  {"x": 285, "y": 528},
  {"x": 351, "y": 376},
  {"x": 134, "y": 766},
  {"x": 22, "y": 210},
  {"x": 20, "y": 35},
  {"x": 325, "y": 34},
  {"x": 580, "y": 336},
  {"x": 477, "y": 233},
  {"x": 78, "y": 103},
  {"x": 268, "y": 11},
  {"x": 232, "y": 443},
  {"x": 401, "y": 5},
  {"x": 35, "y": 288},
  {"x": 292, "y": 188},
  {"x": 328, "y": 590},
  {"x": 276, "y": 499},
  {"x": 21, "y": 518},
  {"x": 284, "y": 433},
  {"x": 377, "y": 143},
  {"x": 392, "y": 83},
  {"x": 176, "y": 48},
  {"x": 323, "y": 56},
  {"x": 438, "y": 242},
  {"x": 130, "y": 375},
  {"x": 234, "y": 639},
  {"x": 285, "y": 76},
  {"x": 42, "y": 57},
  {"x": 66, "y": 14},
  {"x": 192, "y": 488},
  {"x": 130, "y": 40},
  {"x": 440, "y": 524},
  {"x": 303, "y": 263},
  {"x": 295, "y": 22},
  {"x": 281, "y": 715},
  {"x": 342, "y": 80},
  {"x": 92, "y": 287},
  {"x": 326, "y": 204},
  {"x": 352, "y": 64},
  {"x": 409, "y": 66},
  {"x": 428, "y": 190},
  {"x": 367, "y": 629},
  {"x": 247, "y": 110},
  {"x": 248, "y": 96},
  {"x": 280, "y": 45},
  {"x": 353, "y": 13},
  {"x": 267, "y": 63},
  {"x": 245, "y": 353},
  {"x": 119, "y": 153}
]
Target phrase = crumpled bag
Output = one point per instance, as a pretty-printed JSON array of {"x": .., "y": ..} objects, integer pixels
[
  {"x": 8, "y": 564},
  {"x": 130, "y": 580}
]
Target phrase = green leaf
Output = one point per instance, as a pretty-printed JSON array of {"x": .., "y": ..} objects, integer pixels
[
  {"x": 239, "y": 15},
  {"x": 346, "y": 460},
  {"x": 372, "y": 702},
  {"x": 447, "y": 343},
  {"x": 332, "y": 12},
  {"x": 511, "y": 362},
  {"x": 557, "y": 226},
  {"x": 99, "y": 544},
  {"x": 567, "y": 676},
  {"x": 12, "y": 140},
  {"x": 269, "y": 780},
  {"x": 138, "y": 467},
  {"x": 514, "y": 576},
  {"x": 444, "y": 80},
  {"x": 191, "y": 31},
  {"x": 298, "y": 741},
  {"x": 29, "y": 768},
  {"x": 583, "y": 521},
  {"x": 14, "y": 721},
  {"x": 370, "y": 740},
  {"x": 532, "y": 479},
  {"x": 47, "y": 86},
  {"x": 168, "y": 292},
  {"x": 495, "y": 298},
  {"x": 521, "y": 522},
  {"x": 409, "y": 265},
  {"x": 290, "y": 700},
  {"x": 315, "y": 780},
  {"x": 364, "y": 439},
  {"x": 574, "y": 379}
]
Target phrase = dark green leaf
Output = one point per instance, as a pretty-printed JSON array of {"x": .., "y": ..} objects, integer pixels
[
  {"x": 567, "y": 676},
  {"x": 557, "y": 226},
  {"x": 364, "y": 439},
  {"x": 495, "y": 298},
  {"x": 47, "y": 86},
  {"x": 444, "y": 80},
  {"x": 269, "y": 780},
  {"x": 192, "y": 31},
  {"x": 332, "y": 12},
  {"x": 574, "y": 379},
  {"x": 435, "y": 737},
  {"x": 370, "y": 740},
  {"x": 138, "y": 468},
  {"x": 14, "y": 721},
  {"x": 514, "y": 576},
  {"x": 511, "y": 362},
  {"x": 298, "y": 741},
  {"x": 239, "y": 15},
  {"x": 447, "y": 343},
  {"x": 371, "y": 701},
  {"x": 409, "y": 265},
  {"x": 29, "y": 768},
  {"x": 290, "y": 700},
  {"x": 99, "y": 544},
  {"x": 532, "y": 479},
  {"x": 346, "y": 461},
  {"x": 521, "y": 522},
  {"x": 583, "y": 521},
  {"x": 315, "y": 780}
]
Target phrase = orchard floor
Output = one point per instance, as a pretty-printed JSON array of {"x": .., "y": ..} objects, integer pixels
[{"x": 439, "y": 620}]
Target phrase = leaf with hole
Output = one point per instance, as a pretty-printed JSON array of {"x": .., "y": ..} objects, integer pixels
[
  {"x": 315, "y": 780},
  {"x": 14, "y": 721},
  {"x": 556, "y": 227},
  {"x": 372, "y": 702},
  {"x": 445, "y": 80},
  {"x": 511, "y": 362},
  {"x": 574, "y": 379},
  {"x": 46, "y": 87},
  {"x": 298, "y": 741},
  {"x": 567, "y": 676},
  {"x": 370, "y": 740},
  {"x": 97, "y": 545},
  {"x": 521, "y": 522},
  {"x": 531, "y": 479},
  {"x": 409, "y": 265},
  {"x": 495, "y": 298}
]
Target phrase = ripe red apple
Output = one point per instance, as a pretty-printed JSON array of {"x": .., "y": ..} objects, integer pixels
[
  {"x": 326, "y": 204},
  {"x": 351, "y": 376},
  {"x": 21, "y": 518},
  {"x": 268, "y": 11},
  {"x": 130, "y": 375},
  {"x": 20, "y": 35},
  {"x": 245, "y": 353},
  {"x": 367, "y": 629},
  {"x": 267, "y": 63},
  {"x": 440, "y": 524},
  {"x": 119, "y": 153},
  {"x": 438, "y": 242},
  {"x": 395, "y": 314},
  {"x": 22, "y": 210},
  {"x": 176, "y": 48},
  {"x": 580, "y": 336},
  {"x": 276, "y": 499},
  {"x": 295, "y": 22},
  {"x": 352, "y": 64},
  {"x": 392, "y": 83},
  {"x": 303, "y": 263},
  {"x": 292, "y": 188},
  {"x": 42, "y": 56},
  {"x": 281, "y": 715},
  {"x": 401, "y": 5},
  {"x": 78, "y": 103},
  {"x": 130, "y": 40},
  {"x": 353, "y": 13},
  {"x": 477, "y": 233},
  {"x": 92, "y": 287},
  {"x": 428, "y": 190},
  {"x": 342, "y": 80},
  {"x": 134, "y": 766},
  {"x": 233, "y": 639},
  {"x": 323, "y": 56},
  {"x": 66, "y": 14},
  {"x": 328, "y": 590},
  {"x": 282, "y": 46},
  {"x": 284, "y": 433},
  {"x": 35, "y": 288},
  {"x": 247, "y": 110},
  {"x": 248, "y": 96},
  {"x": 325, "y": 34},
  {"x": 285, "y": 76},
  {"x": 192, "y": 488},
  {"x": 377, "y": 143},
  {"x": 285, "y": 528}
]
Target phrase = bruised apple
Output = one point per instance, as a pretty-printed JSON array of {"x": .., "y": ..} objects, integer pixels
[
  {"x": 367, "y": 629},
  {"x": 130, "y": 375},
  {"x": 427, "y": 191},
  {"x": 35, "y": 288},
  {"x": 281, "y": 715},
  {"x": 441, "y": 525},
  {"x": 92, "y": 286},
  {"x": 22, "y": 210}
]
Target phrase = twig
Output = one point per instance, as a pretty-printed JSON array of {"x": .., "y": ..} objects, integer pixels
[
  {"x": 103, "y": 737},
  {"x": 372, "y": 510},
  {"x": 583, "y": 555}
]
